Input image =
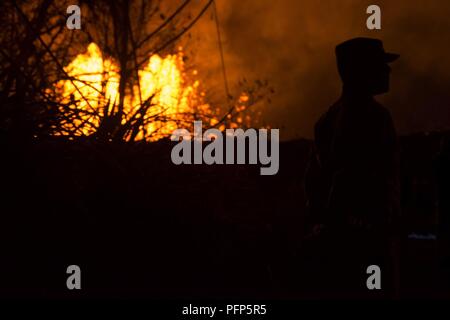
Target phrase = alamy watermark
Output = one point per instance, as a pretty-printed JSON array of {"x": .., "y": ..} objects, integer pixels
[
  {"x": 73, "y": 22},
  {"x": 229, "y": 147}
]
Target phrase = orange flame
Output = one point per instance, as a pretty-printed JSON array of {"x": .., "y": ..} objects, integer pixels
[{"x": 96, "y": 94}]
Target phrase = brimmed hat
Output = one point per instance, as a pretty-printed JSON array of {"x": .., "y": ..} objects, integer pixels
[{"x": 363, "y": 51}]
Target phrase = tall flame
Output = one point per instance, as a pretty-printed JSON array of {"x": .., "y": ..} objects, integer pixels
[{"x": 93, "y": 92}]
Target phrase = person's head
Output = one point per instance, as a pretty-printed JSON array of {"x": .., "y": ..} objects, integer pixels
[{"x": 363, "y": 65}]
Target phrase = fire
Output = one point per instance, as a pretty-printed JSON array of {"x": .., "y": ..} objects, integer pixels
[
  {"x": 165, "y": 94},
  {"x": 95, "y": 78}
]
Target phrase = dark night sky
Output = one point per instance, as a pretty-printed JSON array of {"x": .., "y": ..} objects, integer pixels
[{"x": 291, "y": 43}]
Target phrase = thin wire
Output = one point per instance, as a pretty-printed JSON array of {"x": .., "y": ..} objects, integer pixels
[
  {"x": 219, "y": 40},
  {"x": 161, "y": 26},
  {"x": 179, "y": 35}
]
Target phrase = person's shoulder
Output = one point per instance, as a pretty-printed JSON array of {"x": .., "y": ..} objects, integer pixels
[{"x": 328, "y": 115}]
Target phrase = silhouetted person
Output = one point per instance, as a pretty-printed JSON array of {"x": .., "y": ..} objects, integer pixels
[{"x": 354, "y": 190}]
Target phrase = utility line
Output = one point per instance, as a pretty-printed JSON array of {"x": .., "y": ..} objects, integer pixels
[
  {"x": 179, "y": 35},
  {"x": 219, "y": 40},
  {"x": 162, "y": 25}
]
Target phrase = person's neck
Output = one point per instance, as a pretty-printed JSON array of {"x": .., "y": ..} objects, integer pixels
[{"x": 355, "y": 94}]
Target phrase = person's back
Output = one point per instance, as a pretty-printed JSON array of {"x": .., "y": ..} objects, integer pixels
[{"x": 356, "y": 145}]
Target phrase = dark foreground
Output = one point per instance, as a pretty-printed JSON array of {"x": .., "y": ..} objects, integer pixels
[{"x": 139, "y": 226}]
